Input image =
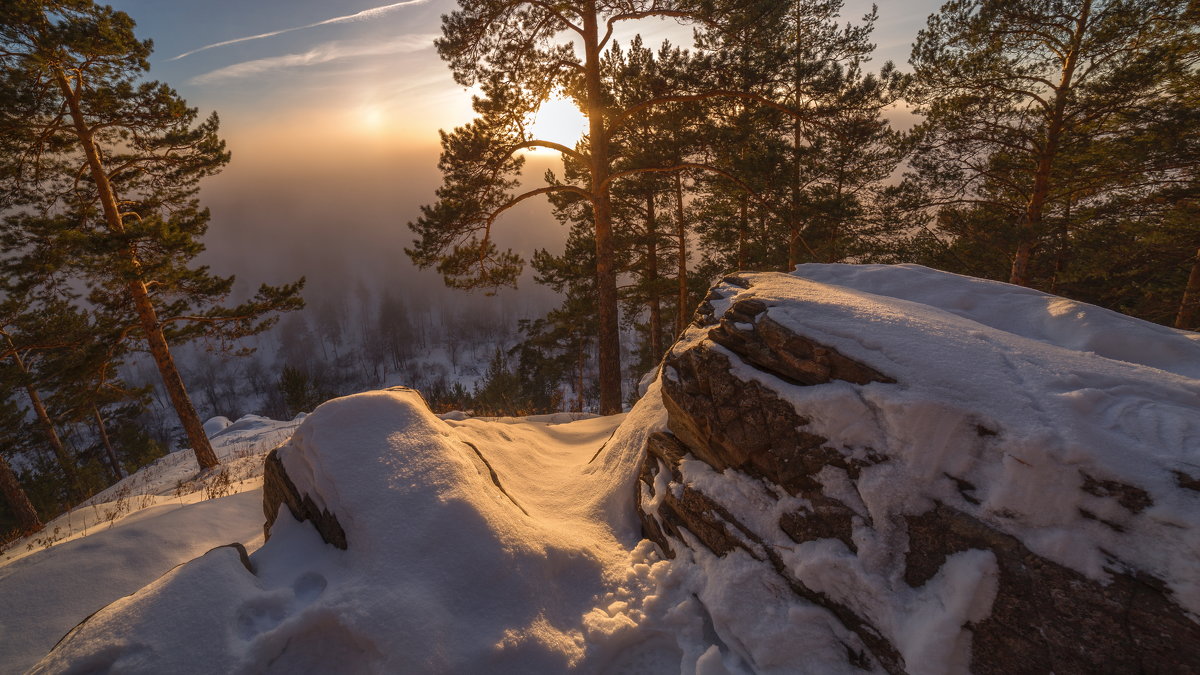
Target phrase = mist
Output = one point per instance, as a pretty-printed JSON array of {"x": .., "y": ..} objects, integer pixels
[{"x": 338, "y": 216}]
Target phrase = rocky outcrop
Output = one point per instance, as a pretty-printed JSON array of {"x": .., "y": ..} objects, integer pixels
[
  {"x": 738, "y": 388},
  {"x": 278, "y": 489},
  {"x": 1047, "y": 617}
]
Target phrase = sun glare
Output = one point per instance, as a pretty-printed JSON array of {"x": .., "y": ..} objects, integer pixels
[
  {"x": 558, "y": 121},
  {"x": 371, "y": 117}
]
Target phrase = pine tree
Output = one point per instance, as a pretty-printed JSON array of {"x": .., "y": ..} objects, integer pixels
[
  {"x": 642, "y": 203},
  {"x": 12, "y": 419},
  {"x": 817, "y": 155},
  {"x": 105, "y": 166},
  {"x": 566, "y": 337},
  {"x": 86, "y": 389},
  {"x": 33, "y": 330},
  {"x": 1016, "y": 97},
  {"x": 1132, "y": 243},
  {"x": 514, "y": 51},
  {"x": 499, "y": 391},
  {"x": 518, "y": 52}
]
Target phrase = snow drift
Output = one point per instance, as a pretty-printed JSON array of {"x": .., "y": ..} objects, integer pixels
[
  {"x": 459, "y": 558},
  {"x": 852, "y": 469}
]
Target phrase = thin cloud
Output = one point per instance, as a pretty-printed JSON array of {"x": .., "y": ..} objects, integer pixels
[
  {"x": 330, "y": 51},
  {"x": 360, "y": 16}
]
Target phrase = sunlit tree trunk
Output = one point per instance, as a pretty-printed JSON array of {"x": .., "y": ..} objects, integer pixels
[
  {"x": 652, "y": 299},
  {"x": 743, "y": 227},
  {"x": 580, "y": 371},
  {"x": 136, "y": 287},
  {"x": 1029, "y": 229},
  {"x": 681, "y": 314},
  {"x": 793, "y": 250},
  {"x": 609, "y": 337}
]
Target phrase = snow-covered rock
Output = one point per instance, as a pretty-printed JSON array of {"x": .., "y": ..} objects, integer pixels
[
  {"x": 944, "y": 473},
  {"x": 216, "y": 425}
]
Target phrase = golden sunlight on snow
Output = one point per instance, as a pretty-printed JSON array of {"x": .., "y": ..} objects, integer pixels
[{"x": 558, "y": 121}]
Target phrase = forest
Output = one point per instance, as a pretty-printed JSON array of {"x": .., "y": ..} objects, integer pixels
[{"x": 1056, "y": 146}]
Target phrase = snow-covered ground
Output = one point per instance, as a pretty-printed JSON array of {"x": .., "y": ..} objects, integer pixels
[
  {"x": 513, "y": 544},
  {"x": 129, "y": 535}
]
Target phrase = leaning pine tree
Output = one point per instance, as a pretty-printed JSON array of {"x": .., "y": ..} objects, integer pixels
[{"x": 105, "y": 166}]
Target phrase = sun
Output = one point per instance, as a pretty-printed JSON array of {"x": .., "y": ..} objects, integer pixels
[
  {"x": 371, "y": 118},
  {"x": 558, "y": 120}
]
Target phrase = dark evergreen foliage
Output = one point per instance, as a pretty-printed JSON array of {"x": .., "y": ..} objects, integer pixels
[{"x": 100, "y": 173}]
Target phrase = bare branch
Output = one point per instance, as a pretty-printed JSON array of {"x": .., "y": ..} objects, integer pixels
[
  {"x": 562, "y": 18},
  {"x": 534, "y": 143},
  {"x": 645, "y": 14},
  {"x": 533, "y": 193}
]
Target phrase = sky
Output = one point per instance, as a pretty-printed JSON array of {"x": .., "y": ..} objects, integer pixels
[{"x": 332, "y": 111}]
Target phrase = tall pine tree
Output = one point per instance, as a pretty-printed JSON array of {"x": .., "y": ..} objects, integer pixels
[{"x": 106, "y": 166}]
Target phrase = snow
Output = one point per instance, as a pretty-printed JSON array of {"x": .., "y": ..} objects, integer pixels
[
  {"x": 1022, "y": 311},
  {"x": 216, "y": 425},
  {"x": 59, "y": 587},
  {"x": 1025, "y": 396},
  {"x": 512, "y": 545},
  {"x": 444, "y": 570},
  {"x": 129, "y": 535},
  {"x": 173, "y": 479},
  {"x": 1074, "y": 392}
]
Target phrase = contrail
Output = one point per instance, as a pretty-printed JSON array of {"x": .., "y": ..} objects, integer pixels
[
  {"x": 360, "y": 16},
  {"x": 330, "y": 51}
]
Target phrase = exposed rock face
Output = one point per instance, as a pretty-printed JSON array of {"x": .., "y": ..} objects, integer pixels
[
  {"x": 737, "y": 387},
  {"x": 279, "y": 489}
]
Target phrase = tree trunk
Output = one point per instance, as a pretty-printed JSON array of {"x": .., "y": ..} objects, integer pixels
[
  {"x": 138, "y": 291},
  {"x": 1188, "y": 317},
  {"x": 793, "y": 249},
  {"x": 656, "y": 342},
  {"x": 581, "y": 368},
  {"x": 743, "y": 226},
  {"x": 1061, "y": 255},
  {"x": 65, "y": 461},
  {"x": 681, "y": 314},
  {"x": 836, "y": 221},
  {"x": 115, "y": 464},
  {"x": 1029, "y": 229},
  {"x": 609, "y": 337},
  {"x": 27, "y": 517}
]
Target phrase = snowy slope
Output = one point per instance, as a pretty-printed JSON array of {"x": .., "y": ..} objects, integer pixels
[
  {"x": 129, "y": 535},
  {"x": 444, "y": 571},
  {"x": 1024, "y": 312},
  {"x": 513, "y": 545}
]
